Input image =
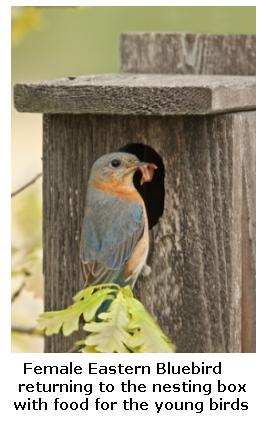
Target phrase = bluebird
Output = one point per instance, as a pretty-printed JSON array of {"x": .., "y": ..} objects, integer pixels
[{"x": 114, "y": 238}]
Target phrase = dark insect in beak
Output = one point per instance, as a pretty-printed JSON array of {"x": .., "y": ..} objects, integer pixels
[{"x": 147, "y": 171}]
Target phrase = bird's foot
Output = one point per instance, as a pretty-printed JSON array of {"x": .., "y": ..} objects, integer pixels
[{"x": 146, "y": 270}]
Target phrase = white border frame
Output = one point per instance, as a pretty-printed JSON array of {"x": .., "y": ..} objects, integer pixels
[{"x": 251, "y": 364}]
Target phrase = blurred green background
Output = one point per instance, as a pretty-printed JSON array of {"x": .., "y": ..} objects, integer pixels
[
  {"x": 86, "y": 40},
  {"x": 50, "y": 42}
]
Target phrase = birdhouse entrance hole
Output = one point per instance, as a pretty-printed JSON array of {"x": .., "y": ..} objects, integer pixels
[{"x": 152, "y": 192}]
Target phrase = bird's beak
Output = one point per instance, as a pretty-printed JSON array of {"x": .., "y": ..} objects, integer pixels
[{"x": 147, "y": 171}]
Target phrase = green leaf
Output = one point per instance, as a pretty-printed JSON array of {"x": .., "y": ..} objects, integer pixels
[
  {"x": 127, "y": 292},
  {"x": 126, "y": 326},
  {"x": 87, "y": 292},
  {"x": 90, "y": 349},
  {"x": 81, "y": 343},
  {"x": 51, "y": 322},
  {"x": 68, "y": 319},
  {"x": 110, "y": 333},
  {"x": 146, "y": 336}
]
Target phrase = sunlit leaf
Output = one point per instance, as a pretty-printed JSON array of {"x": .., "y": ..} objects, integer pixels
[
  {"x": 125, "y": 326},
  {"x": 68, "y": 319},
  {"x": 110, "y": 334},
  {"x": 90, "y": 349},
  {"x": 147, "y": 336},
  {"x": 85, "y": 293}
]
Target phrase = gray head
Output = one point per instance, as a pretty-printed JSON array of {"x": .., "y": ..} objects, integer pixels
[{"x": 119, "y": 167}]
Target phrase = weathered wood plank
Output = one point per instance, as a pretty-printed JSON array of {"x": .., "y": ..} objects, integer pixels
[
  {"x": 202, "y": 286},
  {"x": 196, "y": 255},
  {"x": 67, "y": 157},
  {"x": 138, "y": 95},
  {"x": 186, "y": 53},
  {"x": 246, "y": 131}
]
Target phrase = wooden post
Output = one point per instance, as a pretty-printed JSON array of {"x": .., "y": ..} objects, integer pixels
[
  {"x": 202, "y": 286},
  {"x": 185, "y": 53}
]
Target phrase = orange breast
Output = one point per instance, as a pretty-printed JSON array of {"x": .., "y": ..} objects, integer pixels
[
  {"x": 119, "y": 190},
  {"x": 139, "y": 255}
]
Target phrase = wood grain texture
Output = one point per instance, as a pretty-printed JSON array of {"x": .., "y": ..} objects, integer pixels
[
  {"x": 186, "y": 53},
  {"x": 247, "y": 130},
  {"x": 198, "y": 272},
  {"x": 138, "y": 95},
  {"x": 67, "y": 157},
  {"x": 202, "y": 286}
]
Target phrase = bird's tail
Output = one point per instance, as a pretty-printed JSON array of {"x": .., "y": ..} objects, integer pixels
[{"x": 122, "y": 282}]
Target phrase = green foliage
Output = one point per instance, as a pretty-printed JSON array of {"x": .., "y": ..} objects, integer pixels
[
  {"x": 146, "y": 334},
  {"x": 110, "y": 334},
  {"x": 24, "y": 20},
  {"x": 27, "y": 280},
  {"x": 86, "y": 303},
  {"x": 126, "y": 326}
]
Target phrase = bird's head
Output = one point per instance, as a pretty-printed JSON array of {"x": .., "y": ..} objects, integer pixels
[{"x": 119, "y": 168}]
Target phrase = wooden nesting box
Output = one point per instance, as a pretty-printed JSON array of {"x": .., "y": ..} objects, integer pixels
[{"x": 191, "y": 98}]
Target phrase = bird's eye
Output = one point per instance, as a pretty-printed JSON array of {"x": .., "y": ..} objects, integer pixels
[{"x": 115, "y": 163}]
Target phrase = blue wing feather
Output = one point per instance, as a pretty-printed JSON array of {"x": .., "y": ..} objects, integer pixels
[{"x": 111, "y": 229}]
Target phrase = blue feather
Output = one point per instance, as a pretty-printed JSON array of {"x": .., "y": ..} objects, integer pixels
[{"x": 111, "y": 229}]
